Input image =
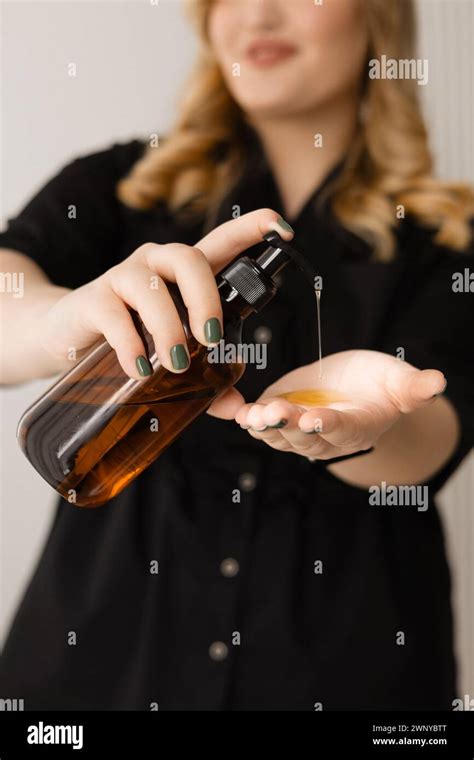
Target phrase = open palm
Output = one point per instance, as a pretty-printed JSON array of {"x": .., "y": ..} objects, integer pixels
[{"x": 368, "y": 392}]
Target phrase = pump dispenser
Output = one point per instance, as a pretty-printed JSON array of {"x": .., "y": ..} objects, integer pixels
[{"x": 96, "y": 429}]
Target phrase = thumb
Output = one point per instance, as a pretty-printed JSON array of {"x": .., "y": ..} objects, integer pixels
[
  {"x": 226, "y": 406},
  {"x": 417, "y": 388}
]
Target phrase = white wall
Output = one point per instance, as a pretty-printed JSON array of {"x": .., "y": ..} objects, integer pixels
[
  {"x": 446, "y": 32},
  {"x": 131, "y": 58}
]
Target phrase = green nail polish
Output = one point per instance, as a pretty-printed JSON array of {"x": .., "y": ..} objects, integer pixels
[
  {"x": 179, "y": 357},
  {"x": 143, "y": 366},
  {"x": 284, "y": 224},
  {"x": 278, "y": 425},
  {"x": 213, "y": 330}
]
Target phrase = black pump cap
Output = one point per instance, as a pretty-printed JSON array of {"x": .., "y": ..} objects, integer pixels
[
  {"x": 252, "y": 278},
  {"x": 250, "y": 282}
]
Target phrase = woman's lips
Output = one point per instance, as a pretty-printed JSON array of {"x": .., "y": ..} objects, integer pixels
[{"x": 267, "y": 54}]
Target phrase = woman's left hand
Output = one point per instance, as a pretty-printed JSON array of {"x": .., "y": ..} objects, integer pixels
[{"x": 373, "y": 390}]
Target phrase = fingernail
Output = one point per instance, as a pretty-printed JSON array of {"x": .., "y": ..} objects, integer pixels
[
  {"x": 259, "y": 430},
  {"x": 179, "y": 357},
  {"x": 143, "y": 366},
  {"x": 316, "y": 429},
  {"x": 278, "y": 425},
  {"x": 281, "y": 224},
  {"x": 212, "y": 330},
  {"x": 442, "y": 390},
  {"x": 284, "y": 224},
  {"x": 245, "y": 427}
]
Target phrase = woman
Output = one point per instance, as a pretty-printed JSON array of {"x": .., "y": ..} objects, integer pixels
[{"x": 279, "y": 582}]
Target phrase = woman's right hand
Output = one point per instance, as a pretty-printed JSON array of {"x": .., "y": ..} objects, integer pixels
[{"x": 70, "y": 327}]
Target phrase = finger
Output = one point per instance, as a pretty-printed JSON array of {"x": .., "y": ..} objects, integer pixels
[
  {"x": 242, "y": 414},
  {"x": 188, "y": 267},
  {"x": 276, "y": 423},
  {"x": 279, "y": 413},
  {"x": 311, "y": 444},
  {"x": 227, "y": 240},
  {"x": 272, "y": 438},
  {"x": 346, "y": 429},
  {"x": 266, "y": 420},
  {"x": 291, "y": 438},
  {"x": 226, "y": 406},
  {"x": 112, "y": 319},
  {"x": 307, "y": 442},
  {"x": 255, "y": 418},
  {"x": 319, "y": 420},
  {"x": 157, "y": 311},
  {"x": 266, "y": 412},
  {"x": 416, "y": 388},
  {"x": 274, "y": 415}
]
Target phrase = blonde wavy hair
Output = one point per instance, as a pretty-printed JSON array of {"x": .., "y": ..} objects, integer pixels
[{"x": 389, "y": 163}]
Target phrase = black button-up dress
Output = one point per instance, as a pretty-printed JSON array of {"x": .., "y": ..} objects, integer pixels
[{"x": 230, "y": 575}]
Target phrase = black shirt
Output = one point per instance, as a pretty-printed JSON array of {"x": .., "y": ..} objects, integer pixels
[{"x": 264, "y": 629}]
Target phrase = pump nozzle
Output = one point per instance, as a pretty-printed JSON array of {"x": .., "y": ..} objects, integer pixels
[
  {"x": 271, "y": 261},
  {"x": 252, "y": 278}
]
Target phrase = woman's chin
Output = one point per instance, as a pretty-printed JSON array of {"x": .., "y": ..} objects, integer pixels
[{"x": 264, "y": 105}]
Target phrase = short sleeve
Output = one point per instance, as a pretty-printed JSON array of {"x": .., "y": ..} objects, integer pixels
[
  {"x": 72, "y": 225},
  {"x": 436, "y": 331}
]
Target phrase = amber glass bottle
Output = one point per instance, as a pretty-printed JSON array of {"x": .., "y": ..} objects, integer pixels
[{"x": 96, "y": 429}]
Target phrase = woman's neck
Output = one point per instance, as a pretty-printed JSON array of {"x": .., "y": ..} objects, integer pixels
[{"x": 302, "y": 148}]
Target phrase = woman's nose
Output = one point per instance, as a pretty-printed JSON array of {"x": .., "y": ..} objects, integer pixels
[{"x": 263, "y": 15}]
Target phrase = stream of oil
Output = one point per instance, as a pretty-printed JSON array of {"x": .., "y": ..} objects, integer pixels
[
  {"x": 311, "y": 397},
  {"x": 320, "y": 345}
]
